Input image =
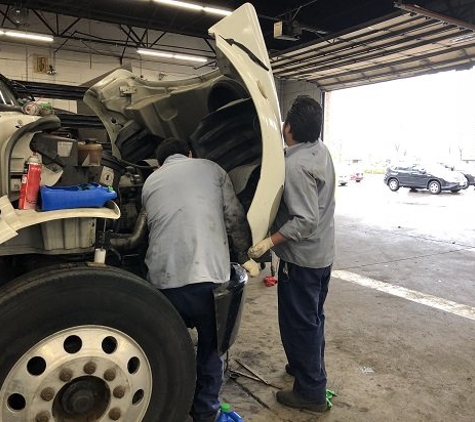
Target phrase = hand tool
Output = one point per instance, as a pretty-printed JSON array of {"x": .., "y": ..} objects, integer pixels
[
  {"x": 236, "y": 374},
  {"x": 246, "y": 367}
]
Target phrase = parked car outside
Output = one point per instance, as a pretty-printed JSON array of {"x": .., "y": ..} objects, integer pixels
[
  {"x": 435, "y": 178},
  {"x": 343, "y": 174},
  {"x": 468, "y": 171},
  {"x": 357, "y": 174}
]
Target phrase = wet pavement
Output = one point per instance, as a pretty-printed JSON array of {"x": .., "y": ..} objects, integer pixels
[{"x": 400, "y": 314}]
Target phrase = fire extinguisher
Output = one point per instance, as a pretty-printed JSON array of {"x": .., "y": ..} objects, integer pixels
[{"x": 30, "y": 183}]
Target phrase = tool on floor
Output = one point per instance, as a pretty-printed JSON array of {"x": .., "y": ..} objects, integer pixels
[
  {"x": 256, "y": 375},
  {"x": 236, "y": 374},
  {"x": 271, "y": 280}
]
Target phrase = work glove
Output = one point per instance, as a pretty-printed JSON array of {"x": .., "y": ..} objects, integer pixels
[
  {"x": 252, "y": 268},
  {"x": 260, "y": 249}
]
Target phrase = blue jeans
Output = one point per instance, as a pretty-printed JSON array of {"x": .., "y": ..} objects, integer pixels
[
  {"x": 195, "y": 303},
  {"x": 301, "y": 295}
]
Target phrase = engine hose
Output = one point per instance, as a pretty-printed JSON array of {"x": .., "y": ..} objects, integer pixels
[{"x": 127, "y": 242}]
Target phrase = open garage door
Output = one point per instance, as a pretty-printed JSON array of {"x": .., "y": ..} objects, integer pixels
[{"x": 410, "y": 42}]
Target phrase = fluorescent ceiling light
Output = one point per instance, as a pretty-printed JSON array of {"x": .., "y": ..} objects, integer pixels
[
  {"x": 197, "y": 7},
  {"x": 168, "y": 55},
  {"x": 26, "y": 35},
  {"x": 217, "y": 11},
  {"x": 182, "y": 4}
]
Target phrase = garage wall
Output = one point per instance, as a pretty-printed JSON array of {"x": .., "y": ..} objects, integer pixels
[
  {"x": 289, "y": 90},
  {"x": 77, "y": 62},
  {"x": 17, "y": 61}
]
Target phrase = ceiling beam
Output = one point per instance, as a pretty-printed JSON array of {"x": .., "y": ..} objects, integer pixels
[{"x": 413, "y": 8}]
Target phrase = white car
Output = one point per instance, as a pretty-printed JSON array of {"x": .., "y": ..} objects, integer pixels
[{"x": 343, "y": 174}]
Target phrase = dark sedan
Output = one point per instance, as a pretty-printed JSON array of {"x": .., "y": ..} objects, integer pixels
[
  {"x": 415, "y": 176},
  {"x": 468, "y": 172}
]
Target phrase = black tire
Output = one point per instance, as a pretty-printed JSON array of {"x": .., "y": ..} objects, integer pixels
[
  {"x": 434, "y": 187},
  {"x": 455, "y": 190},
  {"x": 393, "y": 184},
  {"x": 230, "y": 136},
  {"x": 412, "y": 190},
  {"x": 343, "y": 184},
  {"x": 39, "y": 306}
]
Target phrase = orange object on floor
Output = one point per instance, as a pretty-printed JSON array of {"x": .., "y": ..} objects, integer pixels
[{"x": 269, "y": 281}]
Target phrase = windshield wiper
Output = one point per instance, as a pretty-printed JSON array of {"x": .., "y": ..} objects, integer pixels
[{"x": 251, "y": 55}]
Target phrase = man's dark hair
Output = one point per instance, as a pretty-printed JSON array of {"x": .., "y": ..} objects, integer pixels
[
  {"x": 305, "y": 119},
  {"x": 171, "y": 146}
]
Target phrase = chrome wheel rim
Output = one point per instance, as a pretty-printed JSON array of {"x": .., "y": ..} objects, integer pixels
[
  {"x": 79, "y": 374},
  {"x": 433, "y": 187},
  {"x": 393, "y": 184}
]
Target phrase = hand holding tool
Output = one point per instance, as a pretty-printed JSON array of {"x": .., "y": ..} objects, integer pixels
[{"x": 260, "y": 248}]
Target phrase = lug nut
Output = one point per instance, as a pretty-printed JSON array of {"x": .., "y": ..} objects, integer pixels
[
  {"x": 114, "y": 414},
  {"x": 42, "y": 417},
  {"x": 119, "y": 392},
  {"x": 66, "y": 375},
  {"x": 110, "y": 375},
  {"x": 47, "y": 394},
  {"x": 90, "y": 368}
]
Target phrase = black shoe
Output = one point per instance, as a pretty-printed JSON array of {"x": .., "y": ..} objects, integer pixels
[
  {"x": 290, "y": 398},
  {"x": 289, "y": 370},
  {"x": 210, "y": 418},
  {"x": 204, "y": 419}
]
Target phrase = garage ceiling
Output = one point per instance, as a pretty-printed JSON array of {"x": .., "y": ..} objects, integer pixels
[
  {"x": 402, "y": 44},
  {"x": 334, "y": 43}
]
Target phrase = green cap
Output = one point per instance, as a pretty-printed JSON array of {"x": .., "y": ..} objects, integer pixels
[{"x": 225, "y": 407}]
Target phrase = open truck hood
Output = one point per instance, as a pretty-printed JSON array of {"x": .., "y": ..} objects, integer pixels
[
  {"x": 239, "y": 37},
  {"x": 138, "y": 114}
]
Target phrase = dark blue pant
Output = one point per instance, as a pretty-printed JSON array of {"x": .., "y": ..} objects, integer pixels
[
  {"x": 195, "y": 303},
  {"x": 302, "y": 293}
]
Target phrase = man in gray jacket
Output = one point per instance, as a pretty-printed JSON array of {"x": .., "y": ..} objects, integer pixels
[
  {"x": 303, "y": 238},
  {"x": 191, "y": 210}
]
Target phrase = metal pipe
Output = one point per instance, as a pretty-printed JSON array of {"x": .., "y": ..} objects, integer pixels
[{"x": 127, "y": 242}]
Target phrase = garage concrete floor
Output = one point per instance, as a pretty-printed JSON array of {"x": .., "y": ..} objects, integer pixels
[{"x": 393, "y": 353}]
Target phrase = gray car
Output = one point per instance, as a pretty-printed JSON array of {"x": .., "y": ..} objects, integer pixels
[{"x": 435, "y": 178}]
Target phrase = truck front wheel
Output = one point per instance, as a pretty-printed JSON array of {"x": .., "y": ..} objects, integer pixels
[{"x": 87, "y": 343}]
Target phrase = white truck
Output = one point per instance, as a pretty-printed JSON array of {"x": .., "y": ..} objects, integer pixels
[{"x": 83, "y": 341}]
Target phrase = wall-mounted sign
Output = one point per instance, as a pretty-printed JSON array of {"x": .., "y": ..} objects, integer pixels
[{"x": 40, "y": 63}]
